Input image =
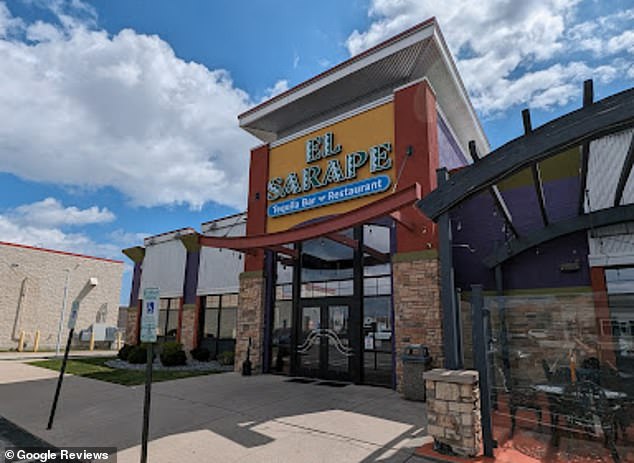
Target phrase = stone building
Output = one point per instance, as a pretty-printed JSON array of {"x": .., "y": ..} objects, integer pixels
[{"x": 32, "y": 293}]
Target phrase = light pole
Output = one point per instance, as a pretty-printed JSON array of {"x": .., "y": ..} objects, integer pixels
[{"x": 61, "y": 316}]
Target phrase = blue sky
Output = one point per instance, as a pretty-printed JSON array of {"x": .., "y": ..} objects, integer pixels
[{"x": 119, "y": 117}]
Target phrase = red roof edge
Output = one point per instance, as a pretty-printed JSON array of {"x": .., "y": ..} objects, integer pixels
[
  {"x": 64, "y": 253},
  {"x": 343, "y": 64}
]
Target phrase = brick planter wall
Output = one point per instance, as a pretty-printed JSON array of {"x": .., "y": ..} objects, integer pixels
[
  {"x": 417, "y": 311},
  {"x": 453, "y": 410},
  {"x": 250, "y": 320}
]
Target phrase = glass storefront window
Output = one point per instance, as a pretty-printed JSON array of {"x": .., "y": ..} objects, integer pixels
[
  {"x": 324, "y": 259},
  {"x": 168, "y": 316},
  {"x": 220, "y": 316},
  {"x": 218, "y": 322},
  {"x": 377, "y": 340},
  {"x": 282, "y": 317}
]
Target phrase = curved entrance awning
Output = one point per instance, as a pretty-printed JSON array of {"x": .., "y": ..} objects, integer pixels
[{"x": 385, "y": 206}]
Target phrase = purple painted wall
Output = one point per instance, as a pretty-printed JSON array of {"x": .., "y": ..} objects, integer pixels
[
  {"x": 136, "y": 285},
  {"x": 477, "y": 227},
  {"x": 450, "y": 155}
]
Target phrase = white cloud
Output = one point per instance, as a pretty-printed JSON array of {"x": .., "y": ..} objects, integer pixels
[
  {"x": 127, "y": 239},
  {"x": 85, "y": 109},
  {"x": 279, "y": 87},
  {"x": 51, "y": 212},
  {"x": 43, "y": 224},
  {"x": 505, "y": 49},
  {"x": 623, "y": 42},
  {"x": 54, "y": 238},
  {"x": 7, "y": 21}
]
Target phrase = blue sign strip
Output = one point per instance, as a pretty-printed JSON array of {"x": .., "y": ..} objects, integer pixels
[{"x": 369, "y": 186}]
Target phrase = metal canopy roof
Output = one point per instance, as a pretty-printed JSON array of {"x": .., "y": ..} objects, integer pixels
[{"x": 417, "y": 53}]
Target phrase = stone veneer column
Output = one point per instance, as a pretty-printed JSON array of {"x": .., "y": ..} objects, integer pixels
[
  {"x": 132, "y": 326},
  {"x": 136, "y": 254},
  {"x": 417, "y": 311},
  {"x": 453, "y": 410},
  {"x": 188, "y": 327},
  {"x": 250, "y": 320}
]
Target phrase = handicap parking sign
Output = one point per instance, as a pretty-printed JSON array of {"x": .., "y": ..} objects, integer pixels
[{"x": 149, "y": 315}]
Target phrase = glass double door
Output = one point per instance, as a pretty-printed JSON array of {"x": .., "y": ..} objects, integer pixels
[{"x": 324, "y": 347}]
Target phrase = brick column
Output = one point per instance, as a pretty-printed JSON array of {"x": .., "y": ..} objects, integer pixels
[
  {"x": 250, "y": 320},
  {"x": 417, "y": 311}
]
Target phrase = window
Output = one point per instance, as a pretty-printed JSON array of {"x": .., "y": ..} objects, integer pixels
[
  {"x": 220, "y": 316},
  {"x": 168, "y": 316}
]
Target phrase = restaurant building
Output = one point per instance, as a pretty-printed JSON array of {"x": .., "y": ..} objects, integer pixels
[
  {"x": 377, "y": 219},
  {"x": 332, "y": 271}
]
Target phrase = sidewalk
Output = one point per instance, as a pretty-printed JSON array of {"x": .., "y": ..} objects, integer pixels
[
  {"x": 29, "y": 356},
  {"x": 223, "y": 417}
]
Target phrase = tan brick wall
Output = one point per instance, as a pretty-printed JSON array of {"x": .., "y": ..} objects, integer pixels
[
  {"x": 32, "y": 293},
  {"x": 417, "y": 311},
  {"x": 250, "y": 320},
  {"x": 188, "y": 327}
]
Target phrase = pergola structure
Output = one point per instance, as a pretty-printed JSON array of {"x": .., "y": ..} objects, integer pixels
[{"x": 594, "y": 122}]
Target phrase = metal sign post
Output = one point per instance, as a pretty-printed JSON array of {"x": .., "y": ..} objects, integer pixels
[
  {"x": 72, "y": 320},
  {"x": 71, "y": 324},
  {"x": 149, "y": 325}
]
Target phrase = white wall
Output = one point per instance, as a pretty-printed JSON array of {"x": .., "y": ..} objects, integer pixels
[
  {"x": 220, "y": 269},
  {"x": 612, "y": 245},
  {"x": 605, "y": 162},
  {"x": 164, "y": 268}
]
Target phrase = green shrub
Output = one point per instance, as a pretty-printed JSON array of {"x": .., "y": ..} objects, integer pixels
[
  {"x": 137, "y": 354},
  {"x": 201, "y": 354},
  {"x": 226, "y": 357},
  {"x": 173, "y": 354},
  {"x": 125, "y": 351}
]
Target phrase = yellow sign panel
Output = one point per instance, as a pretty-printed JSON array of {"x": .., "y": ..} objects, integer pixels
[{"x": 332, "y": 170}]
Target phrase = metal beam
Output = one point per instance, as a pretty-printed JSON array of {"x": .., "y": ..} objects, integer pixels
[
  {"x": 398, "y": 217},
  {"x": 625, "y": 174},
  {"x": 481, "y": 360},
  {"x": 354, "y": 244},
  {"x": 494, "y": 191},
  {"x": 601, "y": 218},
  {"x": 602, "y": 118},
  {"x": 450, "y": 328},
  {"x": 379, "y": 208},
  {"x": 588, "y": 97},
  {"x": 535, "y": 170},
  {"x": 285, "y": 251}
]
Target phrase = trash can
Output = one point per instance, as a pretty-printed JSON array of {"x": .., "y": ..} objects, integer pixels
[{"x": 416, "y": 360}]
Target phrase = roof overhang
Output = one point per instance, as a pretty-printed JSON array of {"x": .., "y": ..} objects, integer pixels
[
  {"x": 384, "y": 206},
  {"x": 417, "y": 53}
]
